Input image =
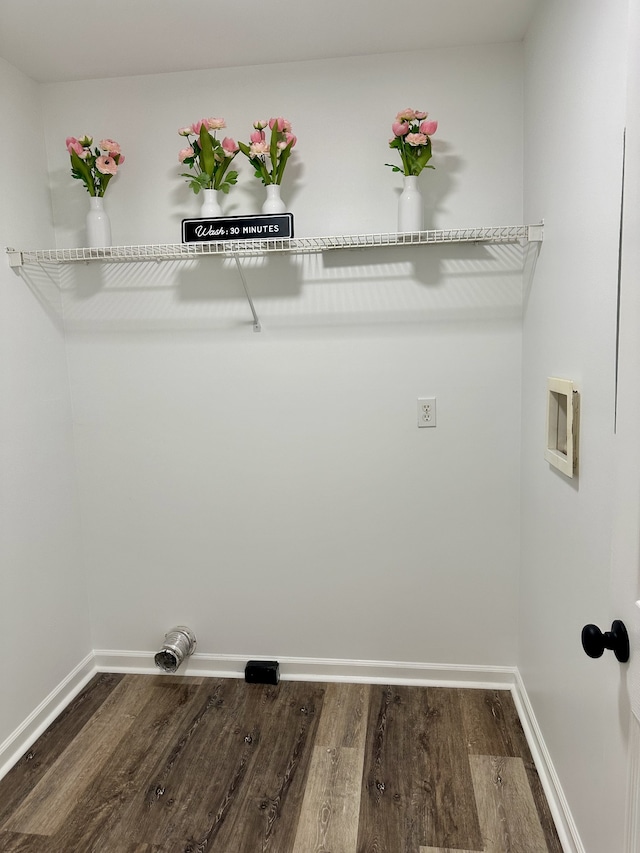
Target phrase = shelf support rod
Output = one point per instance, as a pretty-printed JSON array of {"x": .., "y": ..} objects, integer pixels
[{"x": 256, "y": 321}]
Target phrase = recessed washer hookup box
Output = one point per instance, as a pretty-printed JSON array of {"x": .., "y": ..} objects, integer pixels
[{"x": 266, "y": 226}]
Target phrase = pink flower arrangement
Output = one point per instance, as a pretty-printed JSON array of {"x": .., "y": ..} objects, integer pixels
[
  {"x": 277, "y": 149},
  {"x": 209, "y": 157},
  {"x": 412, "y": 138},
  {"x": 94, "y": 167}
]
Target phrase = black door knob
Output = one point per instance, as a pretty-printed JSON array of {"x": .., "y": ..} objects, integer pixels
[{"x": 594, "y": 642}]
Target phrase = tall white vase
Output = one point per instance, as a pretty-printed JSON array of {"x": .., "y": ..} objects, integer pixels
[
  {"x": 210, "y": 204},
  {"x": 273, "y": 203},
  {"x": 98, "y": 224},
  {"x": 410, "y": 206}
]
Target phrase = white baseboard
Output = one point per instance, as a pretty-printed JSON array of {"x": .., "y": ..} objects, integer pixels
[
  {"x": 565, "y": 825},
  {"x": 320, "y": 669},
  {"x": 314, "y": 669},
  {"x": 14, "y": 746}
]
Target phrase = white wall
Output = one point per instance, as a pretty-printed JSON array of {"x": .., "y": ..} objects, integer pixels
[
  {"x": 574, "y": 118},
  {"x": 43, "y": 606},
  {"x": 272, "y": 490}
]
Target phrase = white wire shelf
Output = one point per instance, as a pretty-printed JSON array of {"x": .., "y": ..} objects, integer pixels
[{"x": 293, "y": 245}]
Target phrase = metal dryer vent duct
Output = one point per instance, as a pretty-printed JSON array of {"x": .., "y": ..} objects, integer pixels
[{"x": 179, "y": 643}]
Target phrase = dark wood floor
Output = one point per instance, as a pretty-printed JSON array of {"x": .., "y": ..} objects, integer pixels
[{"x": 166, "y": 764}]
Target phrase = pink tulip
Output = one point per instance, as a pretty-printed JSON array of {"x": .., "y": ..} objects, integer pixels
[
  {"x": 428, "y": 127},
  {"x": 400, "y": 128},
  {"x": 69, "y": 141},
  {"x": 195, "y": 127},
  {"x": 83, "y": 153},
  {"x": 106, "y": 165},
  {"x": 186, "y": 152},
  {"x": 230, "y": 145},
  {"x": 416, "y": 139},
  {"x": 257, "y": 136},
  {"x": 278, "y": 123},
  {"x": 291, "y": 139}
]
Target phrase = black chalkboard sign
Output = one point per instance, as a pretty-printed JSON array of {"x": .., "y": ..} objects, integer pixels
[{"x": 266, "y": 226}]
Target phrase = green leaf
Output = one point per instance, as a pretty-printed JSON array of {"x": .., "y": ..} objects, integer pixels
[
  {"x": 273, "y": 148},
  {"x": 78, "y": 165},
  {"x": 207, "y": 157},
  {"x": 425, "y": 155},
  {"x": 284, "y": 156}
]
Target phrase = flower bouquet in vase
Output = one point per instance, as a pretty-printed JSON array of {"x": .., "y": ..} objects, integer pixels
[
  {"x": 412, "y": 139},
  {"x": 95, "y": 167},
  {"x": 269, "y": 158},
  {"x": 209, "y": 159}
]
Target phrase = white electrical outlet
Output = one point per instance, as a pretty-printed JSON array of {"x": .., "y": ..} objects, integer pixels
[{"x": 426, "y": 411}]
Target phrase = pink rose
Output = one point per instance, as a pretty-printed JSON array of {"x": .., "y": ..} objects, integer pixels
[
  {"x": 420, "y": 115},
  {"x": 416, "y": 139},
  {"x": 260, "y": 125},
  {"x": 184, "y": 131},
  {"x": 259, "y": 148},
  {"x": 406, "y": 115},
  {"x": 106, "y": 165},
  {"x": 230, "y": 146},
  {"x": 278, "y": 123},
  {"x": 186, "y": 152},
  {"x": 214, "y": 123},
  {"x": 400, "y": 128},
  {"x": 428, "y": 127},
  {"x": 257, "y": 136},
  {"x": 110, "y": 146}
]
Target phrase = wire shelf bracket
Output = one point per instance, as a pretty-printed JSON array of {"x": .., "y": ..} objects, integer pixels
[{"x": 256, "y": 321}]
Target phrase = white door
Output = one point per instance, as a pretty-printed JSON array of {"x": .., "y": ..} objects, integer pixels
[{"x": 625, "y": 566}]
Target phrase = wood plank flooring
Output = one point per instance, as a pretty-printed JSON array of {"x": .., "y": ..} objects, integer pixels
[{"x": 169, "y": 764}]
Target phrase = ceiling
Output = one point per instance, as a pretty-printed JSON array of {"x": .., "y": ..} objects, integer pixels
[{"x": 61, "y": 40}]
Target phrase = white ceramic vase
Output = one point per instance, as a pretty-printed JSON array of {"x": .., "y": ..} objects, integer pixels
[
  {"x": 210, "y": 205},
  {"x": 410, "y": 206},
  {"x": 97, "y": 224},
  {"x": 273, "y": 203}
]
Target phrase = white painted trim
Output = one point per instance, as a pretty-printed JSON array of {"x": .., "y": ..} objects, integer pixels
[
  {"x": 632, "y": 843},
  {"x": 320, "y": 669},
  {"x": 14, "y": 746},
  {"x": 565, "y": 825}
]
